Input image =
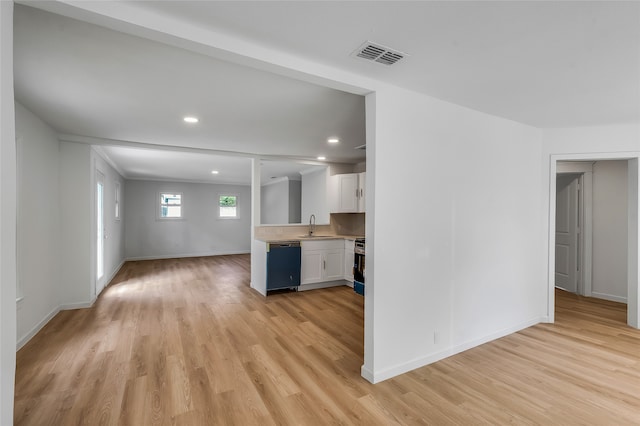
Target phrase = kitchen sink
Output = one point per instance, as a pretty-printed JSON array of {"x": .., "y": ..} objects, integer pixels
[{"x": 316, "y": 236}]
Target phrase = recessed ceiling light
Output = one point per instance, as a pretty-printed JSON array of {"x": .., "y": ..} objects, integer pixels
[
  {"x": 191, "y": 119},
  {"x": 214, "y": 172},
  {"x": 333, "y": 140},
  {"x": 322, "y": 158}
]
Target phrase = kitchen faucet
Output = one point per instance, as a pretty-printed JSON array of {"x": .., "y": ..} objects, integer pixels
[{"x": 312, "y": 224}]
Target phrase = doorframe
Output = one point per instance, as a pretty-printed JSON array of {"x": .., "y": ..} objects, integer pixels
[
  {"x": 99, "y": 282},
  {"x": 585, "y": 209},
  {"x": 633, "y": 176}
]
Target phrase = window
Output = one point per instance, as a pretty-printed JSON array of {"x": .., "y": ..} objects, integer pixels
[
  {"x": 228, "y": 206},
  {"x": 117, "y": 212},
  {"x": 170, "y": 205}
]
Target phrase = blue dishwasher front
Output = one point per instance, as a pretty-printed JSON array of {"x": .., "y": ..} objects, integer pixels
[{"x": 283, "y": 265}]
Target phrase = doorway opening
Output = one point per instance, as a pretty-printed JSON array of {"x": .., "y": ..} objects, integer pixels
[{"x": 614, "y": 257}]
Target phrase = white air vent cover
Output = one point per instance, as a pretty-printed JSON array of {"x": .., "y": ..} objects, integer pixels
[{"x": 378, "y": 53}]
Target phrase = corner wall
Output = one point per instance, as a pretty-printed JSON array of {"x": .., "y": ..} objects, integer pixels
[
  {"x": 459, "y": 265},
  {"x": 76, "y": 281},
  {"x": 38, "y": 231}
]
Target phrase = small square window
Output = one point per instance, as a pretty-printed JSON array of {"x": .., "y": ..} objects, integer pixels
[
  {"x": 170, "y": 205},
  {"x": 228, "y": 206}
]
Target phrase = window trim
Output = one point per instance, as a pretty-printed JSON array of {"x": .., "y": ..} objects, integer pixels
[
  {"x": 159, "y": 205},
  {"x": 228, "y": 194}
]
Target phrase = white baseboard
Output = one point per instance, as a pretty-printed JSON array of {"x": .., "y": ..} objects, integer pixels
[
  {"x": 77, "y": 305},
  {"x": 256, "y": 290},
  {"x": 181, "y": 255},
  {"x": 498, "y": 334},
  {"x": 610, "y": 297},
  {"x": 315, "y": 286},
  {"x": 24, "y": 339},
  {"x": 113, "y": 273},
  {"x": 367, "y": 374},
  {"x": 387, "y": 373}
]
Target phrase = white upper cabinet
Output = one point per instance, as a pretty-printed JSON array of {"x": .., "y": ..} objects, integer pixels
[
  {"x": 346, "y": 193},
  {"x": 361, "y": 188}
]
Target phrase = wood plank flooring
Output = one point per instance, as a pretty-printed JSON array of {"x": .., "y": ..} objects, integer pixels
[{"x": 186, "y": 342}]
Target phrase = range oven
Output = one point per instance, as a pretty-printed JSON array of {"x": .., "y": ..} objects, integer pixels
[{"x": 358, "y": 266}]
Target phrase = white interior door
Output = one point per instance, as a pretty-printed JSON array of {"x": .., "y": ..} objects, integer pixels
[
  {"x": 100, "y": 234},
  {"x": 567, "y": 231}
]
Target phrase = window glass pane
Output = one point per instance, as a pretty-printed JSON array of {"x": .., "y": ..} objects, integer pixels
[
  {"x": 117, "y": 200},
  {"x": 170, "y": 205},
  {"x": 228, "y": 201},
  {"x": 171, "y": 211},
  {"x": 170, "y": 199},
  {"x": 227, "y": 212},
  {"x": 228, "y": 205}
]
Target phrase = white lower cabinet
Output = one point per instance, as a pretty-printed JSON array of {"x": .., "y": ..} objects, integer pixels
[
  {"x": 333, "y": 265},
  {"x": 322, "y": 261},
  {"x": 348, "y": 260},
  {"x": 311, "y": 268}
]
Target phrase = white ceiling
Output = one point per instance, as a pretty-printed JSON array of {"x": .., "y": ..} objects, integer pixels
[
  {"x": 86, "y": 80},
  {"x": 543, "y": 63},
  {"x": 547, "y": 64},
  {"x": 145, "y": 163}
]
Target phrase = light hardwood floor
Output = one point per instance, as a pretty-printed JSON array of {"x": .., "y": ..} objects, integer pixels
[{"x": 186, "y": 342}]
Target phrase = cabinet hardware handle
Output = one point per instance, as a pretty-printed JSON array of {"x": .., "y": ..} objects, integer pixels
[{"x": 324, "y": 264}]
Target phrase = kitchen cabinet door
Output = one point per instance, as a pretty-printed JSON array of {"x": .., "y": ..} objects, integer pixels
[
  {"x": 348, "y": 259},
  {"x": 347, "y": 193},
  {"x": 344, "y": 193},
  {"x": 311, "y": 267},
  {"x": 361, "y": 192},
  {"x": 333, "y": 265}
]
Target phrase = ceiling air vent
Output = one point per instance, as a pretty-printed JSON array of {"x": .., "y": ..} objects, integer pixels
[{"x": 376, "y": 52}]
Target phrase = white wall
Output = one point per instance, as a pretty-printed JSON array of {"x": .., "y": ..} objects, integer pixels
[
  {"x": 7, "y": 217},
  {"x": 314, "y": 196},
  {"x": 281, "y": 201},
  {"x": 38, "y": 223},
  {"x": 275, "y": 202},
  {"x": 295, "y": 201},
  {"x": 75, "y": 225},
  {"x": 200, "y": 233},
  {"x": 460, "y": 265},
  {"x": 609, "y": 266}
]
